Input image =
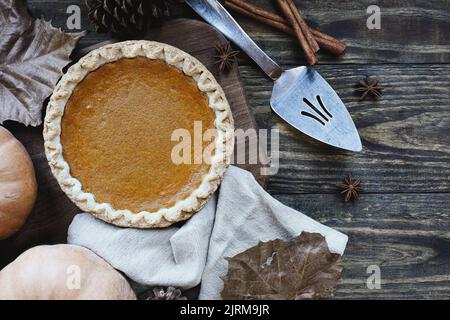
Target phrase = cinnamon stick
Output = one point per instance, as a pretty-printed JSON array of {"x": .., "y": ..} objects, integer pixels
[
  {"x": 282, "y": 26},
  {"x": 329, "y": 43},
  {"x": 256, "y": 10},
  {"x": 309, "y": 52},
  {"x": 325, "y": 41},
  {"x": 303, "y": 26}
]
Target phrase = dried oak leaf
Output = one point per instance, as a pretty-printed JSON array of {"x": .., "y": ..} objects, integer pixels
[
  {"x": 303, "y": 268},
  {"x": 32, "y": 55}
]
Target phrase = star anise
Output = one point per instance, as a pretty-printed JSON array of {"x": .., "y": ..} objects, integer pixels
[
  {"x": 369, "y": 86},
  {"x": 225, "y": 56},
  {"x": 351, "y": 188},
  {"x": 170, "y": 294}
]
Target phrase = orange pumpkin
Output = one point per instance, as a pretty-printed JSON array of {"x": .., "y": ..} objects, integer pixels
[{"x": 18, "y": 186}]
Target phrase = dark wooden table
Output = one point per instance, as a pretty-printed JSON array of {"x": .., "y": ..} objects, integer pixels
[{"x": 402, "y": 221}]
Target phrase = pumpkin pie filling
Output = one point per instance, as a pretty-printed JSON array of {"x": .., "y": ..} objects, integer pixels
[{"x": 116, "y": 134}]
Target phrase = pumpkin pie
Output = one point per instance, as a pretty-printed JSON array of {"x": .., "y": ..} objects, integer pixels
[{"x": 127, "y": 129}]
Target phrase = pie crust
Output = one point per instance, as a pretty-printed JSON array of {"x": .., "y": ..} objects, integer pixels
[{"x": 190, "y": 67}]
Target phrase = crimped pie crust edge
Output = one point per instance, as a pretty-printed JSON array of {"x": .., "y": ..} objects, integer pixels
[{"x": 206, "y": 83}]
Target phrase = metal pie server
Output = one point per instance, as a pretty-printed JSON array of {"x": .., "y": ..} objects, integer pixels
[{"x": 300, "y": 96}]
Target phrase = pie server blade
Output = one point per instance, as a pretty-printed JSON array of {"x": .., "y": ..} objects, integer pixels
[
  {"x": 307, "y": 102},
  {"x": 300, "y": 96}
]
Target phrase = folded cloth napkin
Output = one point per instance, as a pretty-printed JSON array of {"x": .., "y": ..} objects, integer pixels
[{"x": 236, "y": 218}]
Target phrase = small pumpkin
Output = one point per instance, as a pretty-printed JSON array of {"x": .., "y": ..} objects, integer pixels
[
  {"x": 62, "y": 272},
  {"x": 18, "y": 186}
]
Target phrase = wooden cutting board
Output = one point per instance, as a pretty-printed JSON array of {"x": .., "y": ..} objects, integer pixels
[{"x": 53, "y": 211}]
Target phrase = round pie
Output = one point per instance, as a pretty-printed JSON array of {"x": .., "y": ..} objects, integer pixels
[{"x": 139, "y": 134}]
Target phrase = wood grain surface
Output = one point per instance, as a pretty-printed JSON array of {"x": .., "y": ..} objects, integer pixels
[{"x": 402, "y": 221}]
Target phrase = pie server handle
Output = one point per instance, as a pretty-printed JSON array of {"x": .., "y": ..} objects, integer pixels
[{"x": 216, "y": 15}]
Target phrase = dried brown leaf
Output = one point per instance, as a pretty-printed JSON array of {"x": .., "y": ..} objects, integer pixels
[
  {"x": 32, "y": 55},
  {"x": 303, "y": 268}
]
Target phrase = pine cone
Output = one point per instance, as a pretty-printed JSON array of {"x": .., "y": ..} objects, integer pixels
[
  {"x": 126, "y": 16},
  {"x": 170, "y": 294}
]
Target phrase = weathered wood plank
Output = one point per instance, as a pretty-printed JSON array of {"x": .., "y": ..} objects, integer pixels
[
  {"x": 406, "y": 235},
  {"x": 411, "y": 31},
  {"x": 404, "y": 134}
]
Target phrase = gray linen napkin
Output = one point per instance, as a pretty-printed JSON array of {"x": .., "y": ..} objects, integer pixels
[{"x": 236, "y": 218}]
